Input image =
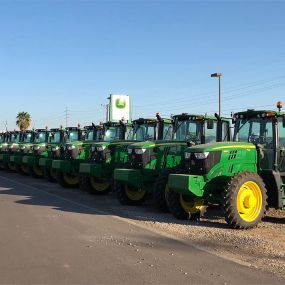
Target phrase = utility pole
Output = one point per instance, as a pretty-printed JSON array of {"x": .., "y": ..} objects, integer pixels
[
  {"x": 106, "y": 107},
  {"x": 6, "y": 125},
  {"x": 66, "y": 115}
]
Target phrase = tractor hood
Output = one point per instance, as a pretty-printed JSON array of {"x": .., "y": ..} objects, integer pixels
[
  {"x": 158, "y": 143},
  {"x": 220, "y": 146},
  {"x": 26, "y": 147}
]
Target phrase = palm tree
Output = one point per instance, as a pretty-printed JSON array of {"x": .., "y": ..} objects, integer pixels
[{"x": 23, "y": 120}]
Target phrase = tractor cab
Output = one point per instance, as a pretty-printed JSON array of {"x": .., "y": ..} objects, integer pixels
[
  {"x": 151, "y": 129},
  {"x": 92, "y": 133},
  {"x": 41, "y": 138},
  {"x": 245, "y": 176},
  {"x": 3, "y": 141},
  {"x": 73, "y": 142},
  {"x": 13, "y": 141},
  {"x": 56, "y": 140},
  {"x": 26, "y": 141}
]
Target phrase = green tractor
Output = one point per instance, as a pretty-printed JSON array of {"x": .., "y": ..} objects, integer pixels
[
  {"x": 67, "y": 165},
  {"x": 37, "y": 150},
  {"x": 4, "y": 138},
  {"x": 151, "y": 162},
  {"x": 11, "y": 147},
  {"x": 53, "y": 150},
  {"x": 245, "y": 176},
  {"x": 26, "y": 144},
  {"x": 96, "y": 175}
]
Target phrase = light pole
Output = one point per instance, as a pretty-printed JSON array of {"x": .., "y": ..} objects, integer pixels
[{"x": 219, "y": 75}]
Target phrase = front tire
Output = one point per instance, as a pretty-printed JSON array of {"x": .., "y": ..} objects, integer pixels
[
  {"x": 128, "y": 195},
  {"x": 185, "y": 207},
  {"x": 245, "y": 200},
  {"x": 36, "y": 171},
  {"x": 67, "y": 180},
  {"x": 161, "y": 189},
  {"x": 93, "y": 185},
  {"x": 50, "y": 174}
]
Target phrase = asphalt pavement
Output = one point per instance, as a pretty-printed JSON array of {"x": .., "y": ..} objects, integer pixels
[{"x": 48, "y": 238}]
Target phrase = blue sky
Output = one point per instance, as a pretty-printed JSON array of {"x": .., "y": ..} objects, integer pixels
[{"x": 58, "y": 54}]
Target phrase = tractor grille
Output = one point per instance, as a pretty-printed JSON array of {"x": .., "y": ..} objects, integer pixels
[
  {"x": 203, "y": 166},
  {"x": 139, "y": 161}
]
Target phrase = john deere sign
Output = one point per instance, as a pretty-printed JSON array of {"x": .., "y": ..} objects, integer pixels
[
  {"x": 121, "y": 103},
  {"x": 120, "y": 107}
]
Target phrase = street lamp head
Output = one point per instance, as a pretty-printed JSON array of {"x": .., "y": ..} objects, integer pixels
[{"x": 216, "y": 74}]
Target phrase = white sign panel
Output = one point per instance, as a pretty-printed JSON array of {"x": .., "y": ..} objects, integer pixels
[{"x": 120, "y": 107}]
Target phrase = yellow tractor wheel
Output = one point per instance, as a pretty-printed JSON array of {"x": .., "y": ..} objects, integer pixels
[{"x": 245, "y": 200}]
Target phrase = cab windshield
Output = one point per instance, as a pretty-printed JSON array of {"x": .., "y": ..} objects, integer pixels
[
  {"x": 144, "y": 132},
  {"x": 40, "y": 137},
  {"x": 72, "y": 136},
  {"x": 254, "y": 130},
  {"x": 112, "y": 133},
  {"x": 54, "y": 137},
  {"x": 188, "y": 130},
  {"x": 89, "y": 135},
  {"x": 15, "y": 138},
  {"x": 28, "y": 137},
  {"x": 2, "y": 139}
]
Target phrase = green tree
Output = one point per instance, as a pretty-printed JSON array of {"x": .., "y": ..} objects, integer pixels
[{"x": 23, "y": 120}]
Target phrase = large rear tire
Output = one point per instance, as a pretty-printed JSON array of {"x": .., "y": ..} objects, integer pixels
[
  {"x": 128, "y": 195},
  {"x": 245, "y": 200},
  {"x": 93, "y": 185}
]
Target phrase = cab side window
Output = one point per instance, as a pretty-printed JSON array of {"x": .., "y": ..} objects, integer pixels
[
  {"x": 211, "y": 134},
  {"x": 225, "y": 131},
  {"x": 281, "y": 135}
]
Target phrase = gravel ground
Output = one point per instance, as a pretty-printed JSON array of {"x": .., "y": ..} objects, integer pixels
[{"x": 262, "y": 247}]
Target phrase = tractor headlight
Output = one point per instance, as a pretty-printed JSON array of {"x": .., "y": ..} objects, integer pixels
[
  {"x": 55, "y": 148},
  {"x": 23, "y": 147},
  {"x": 100, "y": 148},
  {"x": 201, "y": 155},
  {"x": 70, "y": 147},
  {"x": 140, "y": 150},
  {"x": 37, "y": 147},
  {"x": 187, "y": 155},
  {"x": 130, "y": 150}
]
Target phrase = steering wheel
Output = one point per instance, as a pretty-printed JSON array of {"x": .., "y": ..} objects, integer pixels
[{"x": 255, "y": 139}]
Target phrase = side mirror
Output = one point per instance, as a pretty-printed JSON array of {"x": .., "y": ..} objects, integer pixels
[
  {"x": 210, "y": 124},
  {"x": 283, "y": 121}
]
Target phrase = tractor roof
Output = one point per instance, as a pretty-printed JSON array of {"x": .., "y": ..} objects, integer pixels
[
  {"x": 28, "y": 131},
  {"x": 41, "y": 130},
  {"x": 72, "y": 128},
  {"x": 196, "y": 117},
  {"x": 115, "y": 124},
  {"x": 92, "y": 127},
  {"x": 56, "y": 129},
  {"x": 141, "y": 121},
  {"x": 251, "y": 113}
]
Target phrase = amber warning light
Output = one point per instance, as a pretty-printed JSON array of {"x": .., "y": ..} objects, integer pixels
[{"x": 279, "y": 105}]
